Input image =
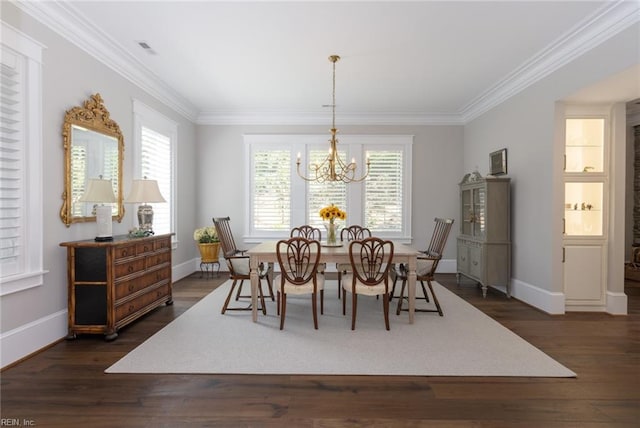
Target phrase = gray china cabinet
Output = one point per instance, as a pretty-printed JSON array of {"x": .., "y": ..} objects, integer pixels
[{"x": 484, "y": 243}]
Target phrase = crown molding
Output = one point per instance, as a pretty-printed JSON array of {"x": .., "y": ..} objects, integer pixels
[
  {"x": 603, "y": 24},
  {"x": 317, "y": 118},
  {"x": 69, "y": 23}
]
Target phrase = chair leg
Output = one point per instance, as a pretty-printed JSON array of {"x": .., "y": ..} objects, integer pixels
[
  {"x": 270, "y": 288},
  {"x": 435, "y": 299},
  {"x": 314, "y": 304},
  {"x": 344, "y": 302},
  {"x": 226, "y": 302},
  {"x": 278, "y": 301},
  {"x": 261, "y": 295},
  {"x": 339, "y": 283},
  {"x": 354, "y": 306},
  {"x": 401, "y": 297},
  {"x": 283, "y": 299},
  {"x": 321, "y": 302},
  {"x": 424, "y": 291},
  {"x": 239, "y": 289},
  {"x": 385, "y": 305},
  {"x": 393, "y": 289}
]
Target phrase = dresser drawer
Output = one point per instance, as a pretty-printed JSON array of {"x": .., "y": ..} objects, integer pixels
[
  {"x": 123, "y": 252},
  {"x": 131, "y": 307},
  {"x": 129, "y": 267},
  {"x": 144, "y": 247},
  {"x": 163, "y": 243},
  {"x": 158, "y": 258},
  {"x": 131, "y": 286}
]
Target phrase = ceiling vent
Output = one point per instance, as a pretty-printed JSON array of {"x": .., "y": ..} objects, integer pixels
[{"x": 147, "y": 48}]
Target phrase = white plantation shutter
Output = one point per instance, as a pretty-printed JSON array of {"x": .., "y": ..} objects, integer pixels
[
  {"x": 155, "y": 159},
  {"x": 271, "y": 197},
  {"x": 21, "y": 206},
  {"x": 281, "y": 200},
  {"x": 11, "y": 167},
  {"x": 383, "y": 205},
  {"x": 323, "y": 194}
]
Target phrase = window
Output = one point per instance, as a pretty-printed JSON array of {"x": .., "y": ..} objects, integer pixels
[
  {"x": 279, "y": 199},
  {"x": 154, "y": 158},
  {"x": 21, "y": 207}
]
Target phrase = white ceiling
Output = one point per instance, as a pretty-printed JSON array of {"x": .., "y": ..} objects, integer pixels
[{"x": 430, "y": 61}]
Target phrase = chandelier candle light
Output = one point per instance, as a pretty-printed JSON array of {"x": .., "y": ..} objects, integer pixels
[
  {"x": 332, "y": 167},
  {"x": 330, "y": 214}
]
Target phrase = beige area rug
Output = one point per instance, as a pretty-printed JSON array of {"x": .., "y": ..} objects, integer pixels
[{"x": 465, "y": 342}]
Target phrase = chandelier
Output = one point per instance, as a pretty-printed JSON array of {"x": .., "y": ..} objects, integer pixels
[{"x": 332, "y": 168}]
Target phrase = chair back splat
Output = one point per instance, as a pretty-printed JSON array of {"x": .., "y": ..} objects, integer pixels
[
  {"x": 306, "y": 231},
  {"x": 351, "y": 233}
]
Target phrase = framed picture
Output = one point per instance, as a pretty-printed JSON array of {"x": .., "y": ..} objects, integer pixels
[{"x": 498, "y": 162}]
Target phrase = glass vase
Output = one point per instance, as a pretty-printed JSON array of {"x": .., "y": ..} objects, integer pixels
[{"x": 332, "y": 233}]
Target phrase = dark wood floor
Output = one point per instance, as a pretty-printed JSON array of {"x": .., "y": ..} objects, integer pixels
[{"x": 64, "y": 386}]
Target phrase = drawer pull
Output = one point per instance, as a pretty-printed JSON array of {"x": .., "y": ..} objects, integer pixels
[
  {"x": 124, "y": 253},
  {"x": 475, "y": 263},
  {"x": 130, "y": 268},
  {"x": 146, "y": 248},
  {"x": 130, "y": 287}
]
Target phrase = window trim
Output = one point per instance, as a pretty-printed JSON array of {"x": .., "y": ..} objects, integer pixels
[
  {"x": 355, "y": 145},
  {"x": 33, "y": 226},
  {"x": 145, "y": 116}
]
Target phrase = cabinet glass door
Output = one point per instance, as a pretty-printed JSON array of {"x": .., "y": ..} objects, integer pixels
[
  {"x": 584, "y": 145},
  {"x": 467, "y": 212},
  {"x": 479, "y": 197},
  {"x": 583, "y": 209}
]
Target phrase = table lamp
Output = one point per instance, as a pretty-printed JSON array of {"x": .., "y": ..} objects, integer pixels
[
  {"x": 99, "y": 190},
  {"x": 142, "y": 192}
]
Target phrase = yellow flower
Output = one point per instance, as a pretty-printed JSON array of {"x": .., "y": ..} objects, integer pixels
[{"x": 331, "y": 212}]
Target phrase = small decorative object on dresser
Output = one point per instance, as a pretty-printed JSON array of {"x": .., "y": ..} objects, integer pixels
[{"x": 113, "y": 283}]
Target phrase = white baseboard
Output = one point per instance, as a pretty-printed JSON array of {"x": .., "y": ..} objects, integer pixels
[
  {"x": 29, "y": 338},
  {"x": 545, "y": 300},
  {"x": 616, "y": 303},
  {"x": 447, "y": 266},
  {"x": 184, "y": 269}
]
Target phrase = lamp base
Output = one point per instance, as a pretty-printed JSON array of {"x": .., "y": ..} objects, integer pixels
[
  {"x": 103, "y": 220},
  {"x": 145, "y": 218}
]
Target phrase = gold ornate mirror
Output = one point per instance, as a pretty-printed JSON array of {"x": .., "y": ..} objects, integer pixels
[{"x": 93, "y": 148}]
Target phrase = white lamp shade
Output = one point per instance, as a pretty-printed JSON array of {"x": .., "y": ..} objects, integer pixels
[
  {"x": 98, "y": 190},
  {"x": 144, "y": 191}
]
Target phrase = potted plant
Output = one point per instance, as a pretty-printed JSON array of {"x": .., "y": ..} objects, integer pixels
[{"x": 208, "y": 243}]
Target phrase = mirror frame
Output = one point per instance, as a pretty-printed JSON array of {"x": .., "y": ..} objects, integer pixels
[{"x": 94, "y": 116}]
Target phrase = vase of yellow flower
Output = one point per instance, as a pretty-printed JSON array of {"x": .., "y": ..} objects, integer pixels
[
  {"x": 330, "y": 214},
  {"x": 208, "y": 243}
]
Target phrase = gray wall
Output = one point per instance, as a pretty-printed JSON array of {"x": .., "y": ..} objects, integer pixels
[
  {"x": 69, "y": 77},
  {"x": 524, "y": 124},
  {"x": 437, "y": 169}
]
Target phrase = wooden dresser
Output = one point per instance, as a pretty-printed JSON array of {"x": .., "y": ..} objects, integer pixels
[{"x": 111, "y": 284}]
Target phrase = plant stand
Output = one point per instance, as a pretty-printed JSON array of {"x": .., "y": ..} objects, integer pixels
[{"x": 209, "y": 258}]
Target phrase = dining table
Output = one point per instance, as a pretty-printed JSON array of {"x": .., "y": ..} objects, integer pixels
[{"x": 265, "y": 253}]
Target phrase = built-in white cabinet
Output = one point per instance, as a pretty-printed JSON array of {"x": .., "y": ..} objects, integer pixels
[
  {"x": 484, "y": 242},
  {"x": 585, "y": 212}
]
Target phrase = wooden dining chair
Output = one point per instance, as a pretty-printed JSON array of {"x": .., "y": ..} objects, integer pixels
[
  {"x": 298, "y": 260},
  {"x": 426, "y": 266},
  {"x": 238, "y": 265},
  {"x": 311, "y": 233},
  {"x": 371, "y": 260},
  {"x": 348, "y": 234}
]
